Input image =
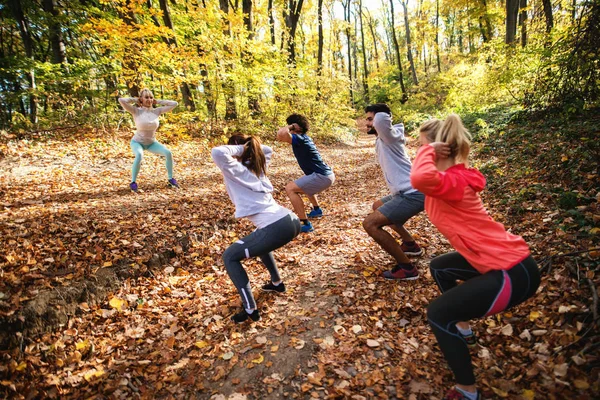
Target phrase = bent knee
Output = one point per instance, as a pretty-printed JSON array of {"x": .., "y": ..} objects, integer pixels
[
  {"x": 436, "y": 311},
  {"x": 235, "y": 252},
  {"x": 292, "y": 188}
]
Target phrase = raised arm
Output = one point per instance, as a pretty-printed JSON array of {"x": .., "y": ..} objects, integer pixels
[
  {"x": 126, "y": 104},
  {"x": 382, "y": 122},
  {"x": 284, "y": 135},
  {"x": 426, "y": 178},
  {"x": 165, "y": 105}
]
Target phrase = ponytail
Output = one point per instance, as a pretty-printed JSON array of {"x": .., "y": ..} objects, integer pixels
[
  {"x": 253, "y": 157},
  {"x": 454, "y": 133}
]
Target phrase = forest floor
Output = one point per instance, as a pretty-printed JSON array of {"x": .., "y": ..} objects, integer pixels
[{"x": 109, "y": 294}]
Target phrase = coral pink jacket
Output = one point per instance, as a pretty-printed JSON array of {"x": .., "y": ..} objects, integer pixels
[{"x": 453, "y": 205}]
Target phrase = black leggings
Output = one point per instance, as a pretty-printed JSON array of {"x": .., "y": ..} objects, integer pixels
[{"x": 479, "y": 296}]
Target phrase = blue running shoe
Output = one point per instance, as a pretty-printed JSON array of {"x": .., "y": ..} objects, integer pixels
[
  {"x": 307, "y": 228},
  {"x": 318, "y": 213}
]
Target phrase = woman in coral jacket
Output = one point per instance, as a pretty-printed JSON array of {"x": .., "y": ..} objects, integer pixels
[{"x": 495, "y": 266}]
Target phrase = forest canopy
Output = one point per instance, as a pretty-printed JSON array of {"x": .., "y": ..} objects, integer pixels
[{"x": 249, "y": 63}]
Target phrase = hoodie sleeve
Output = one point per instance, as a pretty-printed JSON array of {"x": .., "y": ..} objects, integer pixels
[
  {"x": 382, "y": 122},
  {"x": 426, "y": 178},
  {"x": 268, "y": 153}
]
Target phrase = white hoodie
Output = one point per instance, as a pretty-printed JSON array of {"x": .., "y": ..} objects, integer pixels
[{"x": 250, "y": 194}]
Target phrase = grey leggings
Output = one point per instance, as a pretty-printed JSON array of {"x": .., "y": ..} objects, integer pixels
[{"x": 259, "y": 243}]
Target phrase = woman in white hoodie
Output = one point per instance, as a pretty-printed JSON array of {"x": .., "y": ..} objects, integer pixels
[{"x": 243, "y": 163}]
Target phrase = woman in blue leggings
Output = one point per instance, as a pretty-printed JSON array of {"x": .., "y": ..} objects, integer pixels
[
  {"x": 146, "y": 117},
  {"x": 244, "y": 166}
]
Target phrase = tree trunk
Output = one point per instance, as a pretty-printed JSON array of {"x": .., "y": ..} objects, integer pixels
[
  {"x": 292, "y": 15},
  {"x": 25, "y": 33},
  {"x": 372, "y": 29},
  {"x": 485, "y": 24},
  {"x": 548, "y": 14},
  {"x": 409, "y": 44},
  {"x": 397, "y": 50},
  {"x": 157, "y": 22},
  {"x": 271, "y": 21},
  {"x": 512, "y": 10},
  {"x": 364, "y": 51},
  {"x": 59, "y": 53},
  {"x": 248, "y": 59},
  {"x": 130, "y": 58},
  {"x": 348, "y": 45},
  {"x": 186, "y": 93},
  {"x": 228, "y": 85},
  {"x": 320, "y": 49},
  {"x": 437, "y": 35},
  {"x": 523, "y": 22}
]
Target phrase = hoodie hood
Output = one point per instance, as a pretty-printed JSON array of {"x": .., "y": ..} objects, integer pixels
[{"x": 468, "y": 177}]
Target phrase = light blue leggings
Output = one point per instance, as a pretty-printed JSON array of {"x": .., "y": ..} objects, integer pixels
[{"x": 156, "y": 148}]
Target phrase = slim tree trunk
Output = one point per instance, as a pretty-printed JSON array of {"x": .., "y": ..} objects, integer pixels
[
  {"x": 248, "y": 59},
  {"x": 25, "y": 33},
  {"x": 364, "y": 51},
  {"x": 271, "y": 21},
  {"x": 372, "y": 29},
  {"x": 397, "y": 50},
  {"x": 409, "y": 44},
  {"x": 320, "y": 49},
  {"x": 485, "y": 24},
  {"x": 292, "y": 15},
  {"x": 437, "y": 35},
  {"x": 512, "y": 10},
  {"x": 228, "y": 85},
  {"x": 186, "y": 93},
  {"x": 59, "y": 53},
  {"x": 523, "y": 22},
  {"x": 548, "y": 14},
  {"x": 348, "y": 45}
]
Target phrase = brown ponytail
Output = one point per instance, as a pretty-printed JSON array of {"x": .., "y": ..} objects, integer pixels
[
  {"x": 253, "y": 157},
  {"x": 454, "y": 133}
]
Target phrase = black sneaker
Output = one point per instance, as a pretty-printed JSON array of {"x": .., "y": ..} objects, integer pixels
[
  {"x": 270, "y": 287},
  {"x": 243, "y": 315}
]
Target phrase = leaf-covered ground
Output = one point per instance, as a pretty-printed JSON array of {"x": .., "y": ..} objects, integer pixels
[{"x": 109, "y": 294}]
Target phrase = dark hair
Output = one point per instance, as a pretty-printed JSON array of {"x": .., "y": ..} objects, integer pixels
[
  {"x": 238, "y": 138},
  {"x": 253, "y": 157},
  {"x": 378, "y": 107},
  {"x": 299, "y": 119}
]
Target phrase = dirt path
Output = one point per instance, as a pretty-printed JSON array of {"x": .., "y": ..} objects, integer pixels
[{"x": 158, "y": 327}]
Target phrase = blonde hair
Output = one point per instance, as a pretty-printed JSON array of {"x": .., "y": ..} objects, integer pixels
[
  {"x": 457, "y": 136},
  {"x": 142, "y": 93},
  {"x": 430, "y": 128}
]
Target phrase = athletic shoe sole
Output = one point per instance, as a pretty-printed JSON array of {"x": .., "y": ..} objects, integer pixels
[
  {"x": 413, "y": 253},
  {"x": 272, "y": 290},
  {"x": 412, "y": 278}
]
